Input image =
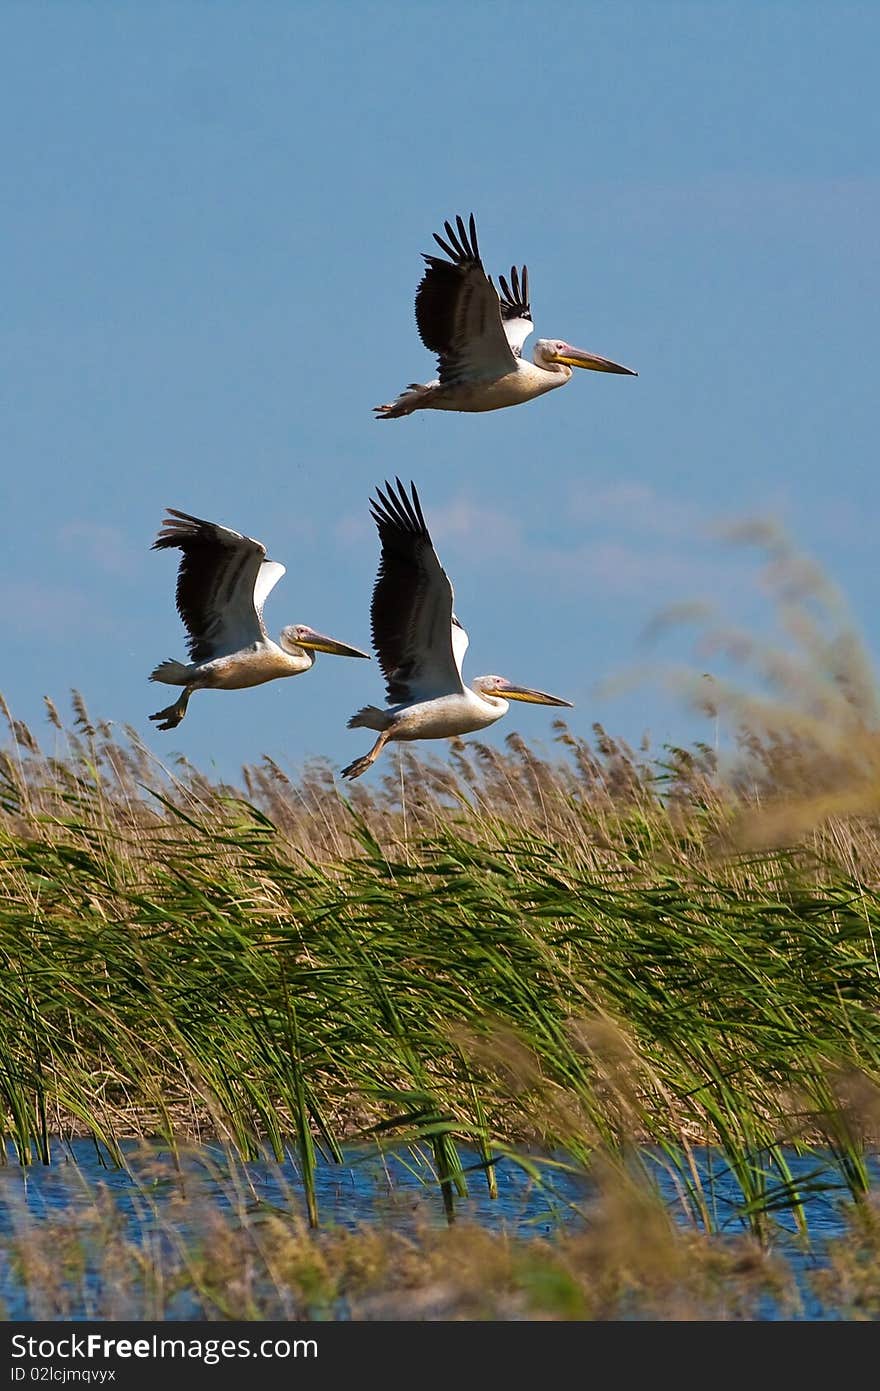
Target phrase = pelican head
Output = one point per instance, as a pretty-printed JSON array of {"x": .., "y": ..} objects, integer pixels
[
  {"x": 552, "y": 351},
  {"x": 297, "y": 636},
  {"x": 499, "y": 686}
]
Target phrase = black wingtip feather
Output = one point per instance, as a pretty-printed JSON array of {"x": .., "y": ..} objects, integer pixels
[
  {"x": 399, "y": 510},
  {"x": 177, "y": 527},
  {"x": 515, "y": 294},
  {"x": 460, "y": 243},
  {"x": 444, "y": 246}
]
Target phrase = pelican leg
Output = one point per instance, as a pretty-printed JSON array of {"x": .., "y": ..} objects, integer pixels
[
  {"x": 360, "y": 765},
  {"x": 171, "y": 716},
  {"x": 414, "y": 398}
]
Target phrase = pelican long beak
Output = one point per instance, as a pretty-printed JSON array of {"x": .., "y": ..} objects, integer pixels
[
  {"x": 576, "y": 357},
  {"x": 504, "y": 688},
  {"x": 317, "y": 642}
]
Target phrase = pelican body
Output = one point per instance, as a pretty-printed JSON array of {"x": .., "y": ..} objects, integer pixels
[
  {"x": 421, "y": 644},
  {"x": 223, "y": 581},
  {"x": 478, "y": 336}
]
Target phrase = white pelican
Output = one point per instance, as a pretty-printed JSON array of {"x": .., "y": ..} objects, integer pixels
[
  {"x": 420, "y": 642},
  {"x": 478, "y": 337},
  {"x": 223, "y": 581}
]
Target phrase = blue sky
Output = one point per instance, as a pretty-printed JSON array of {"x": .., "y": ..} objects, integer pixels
[{"x": 213, "y": 222}]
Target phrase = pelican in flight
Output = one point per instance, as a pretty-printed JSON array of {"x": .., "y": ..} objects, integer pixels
[
  {"x": 420, "y": 642},
  {"x": 223, "y": 581},
  {"x": 478, "y": 336}
]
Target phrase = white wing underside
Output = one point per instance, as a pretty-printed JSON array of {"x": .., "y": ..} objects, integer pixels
[
  {"x": 270, "y": 573},
  {"x": 237, "y": 602},
  {"x": 460, "y": 642},
  {"x": 516, "y": 332}
]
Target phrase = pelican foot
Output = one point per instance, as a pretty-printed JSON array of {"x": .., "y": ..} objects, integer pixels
[
  {"x": 407, "y": 402},
  {"x": 170, "y": 717},
  {"x": 360, "y": 765}
]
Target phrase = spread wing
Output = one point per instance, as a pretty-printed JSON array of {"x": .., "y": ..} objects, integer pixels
[
  {"x": 222, "y": 583},
  {"x": 458, "y": 312},
  {"x": 411, "y": 610}
]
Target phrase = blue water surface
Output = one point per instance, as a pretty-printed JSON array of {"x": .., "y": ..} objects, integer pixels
[{"x": 398, "y": 1189}]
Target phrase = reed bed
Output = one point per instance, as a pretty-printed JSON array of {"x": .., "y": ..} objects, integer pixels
[{"x": 582, "y": 956}]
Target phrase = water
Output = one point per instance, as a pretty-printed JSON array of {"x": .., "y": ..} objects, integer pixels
[{"x": 398, "y": 1190}]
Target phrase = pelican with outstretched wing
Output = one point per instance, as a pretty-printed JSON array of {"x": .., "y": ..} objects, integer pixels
[
  {"x": 420, "y": 643},
  {"x": 223, "y": 581},
  {"x": 478, "y": 336}
]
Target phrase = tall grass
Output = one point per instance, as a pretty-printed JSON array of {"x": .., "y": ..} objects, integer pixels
[{"x": 565, "y": 955}]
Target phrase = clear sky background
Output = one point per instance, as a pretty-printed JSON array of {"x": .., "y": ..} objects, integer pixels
[{"x": 212, "y": 220}]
